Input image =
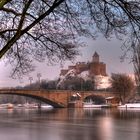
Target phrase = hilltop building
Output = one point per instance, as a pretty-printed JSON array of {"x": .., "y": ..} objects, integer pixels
[{"x": 94, "y": 68}]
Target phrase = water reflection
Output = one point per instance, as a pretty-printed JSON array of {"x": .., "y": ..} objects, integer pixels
[{"x": 70, "y": 124}]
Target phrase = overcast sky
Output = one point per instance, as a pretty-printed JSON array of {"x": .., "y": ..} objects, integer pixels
[{"x": 109, "y": 51}]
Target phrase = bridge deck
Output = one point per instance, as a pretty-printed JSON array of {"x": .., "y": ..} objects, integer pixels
[{"x": 57, "y": 98}]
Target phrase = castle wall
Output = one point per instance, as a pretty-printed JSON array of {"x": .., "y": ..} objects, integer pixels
[
  {"x": 81, "y": 66},
  {"x": 95, "y": 67},
  {"x": 103, "y": 69},
  {"x": 71, "y": 67}
]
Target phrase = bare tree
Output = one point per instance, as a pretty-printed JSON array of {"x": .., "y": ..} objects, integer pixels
[
  {"x": 136, "y": 62},
  {"x": 123, "y": 85},
  {"x": 32, "y": 29}
]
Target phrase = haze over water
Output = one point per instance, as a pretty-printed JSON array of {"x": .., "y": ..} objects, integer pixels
[{"x": 70, "y": 124}]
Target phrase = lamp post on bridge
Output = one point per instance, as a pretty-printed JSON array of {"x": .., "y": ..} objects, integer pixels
[
  {"x": 30, "y": 79},
  {"x": 39, "y": 79}
]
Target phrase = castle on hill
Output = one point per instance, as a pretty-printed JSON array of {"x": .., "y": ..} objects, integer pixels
[{"x": 94, "y": 68}]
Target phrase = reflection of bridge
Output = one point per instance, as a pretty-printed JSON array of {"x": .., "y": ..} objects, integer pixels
[{"x": 56, "y": 98}]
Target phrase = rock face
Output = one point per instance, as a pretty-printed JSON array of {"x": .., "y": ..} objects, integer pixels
[{"x": 94, "y": 71}]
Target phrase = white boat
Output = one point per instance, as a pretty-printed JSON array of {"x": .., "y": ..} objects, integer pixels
[
  {"x": 46, "y": 106},
  {"x": 7, "y": 106},
  {"x": 92, "y": 105},
  {"x": 130, "y": 105},
  {"x": 27, "y": 105}
]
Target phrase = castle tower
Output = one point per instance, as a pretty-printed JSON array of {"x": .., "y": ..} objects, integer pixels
[
  {"x": 96, "y": 67},
  {"x": 95, "y": 57}
]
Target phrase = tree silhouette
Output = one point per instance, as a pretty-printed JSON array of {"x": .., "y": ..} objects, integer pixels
[
  {"x": 32, "y": 29},
  {"x": 123, "y": 85}
]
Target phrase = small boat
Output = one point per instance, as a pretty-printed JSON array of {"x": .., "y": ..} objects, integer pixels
[
  {"x": 19, "y": 105},
  {"x": 27, "y": 105},
  {"x": 10, "y": 106},
  {"x": 46, "y": 106},
  {"x": 130, "y": 105},
  {"x": 92, "y": 105},
  {"x": 7, "y": 106}
]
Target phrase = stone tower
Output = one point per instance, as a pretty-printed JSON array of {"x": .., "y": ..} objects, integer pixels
[
  {"x": 96, "y": 67},
  {"x": 95, "y": 58}
]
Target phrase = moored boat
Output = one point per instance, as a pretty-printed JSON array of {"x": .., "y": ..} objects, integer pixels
[
  {"x": 92, "y": 105},
  {"x": 7, "y": 106},
  {"x": 130, "y": 105}
]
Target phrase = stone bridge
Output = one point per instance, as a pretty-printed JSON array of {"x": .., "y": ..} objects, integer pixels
[{"x": 56, "y": 98}]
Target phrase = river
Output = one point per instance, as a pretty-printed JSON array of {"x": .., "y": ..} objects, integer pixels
[{"x": 69, "y": 124}]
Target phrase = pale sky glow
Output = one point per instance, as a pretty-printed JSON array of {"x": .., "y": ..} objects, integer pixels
[{"x": 109, "y": 52}]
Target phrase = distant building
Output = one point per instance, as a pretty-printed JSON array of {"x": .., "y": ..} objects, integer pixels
[{"x": 94, "y": 68}]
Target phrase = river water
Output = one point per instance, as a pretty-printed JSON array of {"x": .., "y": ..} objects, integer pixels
[{"x": 69, "y": 124}]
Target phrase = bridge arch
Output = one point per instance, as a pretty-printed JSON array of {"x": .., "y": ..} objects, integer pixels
[
  {"x": 96, "y": 99},
  {"x": 38, "y": 97}
]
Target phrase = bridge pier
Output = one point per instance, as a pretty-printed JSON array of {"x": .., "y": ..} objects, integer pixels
[{"x": 75, "y": 104}]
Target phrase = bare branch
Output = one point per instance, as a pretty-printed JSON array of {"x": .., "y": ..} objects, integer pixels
[{"x": 50, "y": 28}]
